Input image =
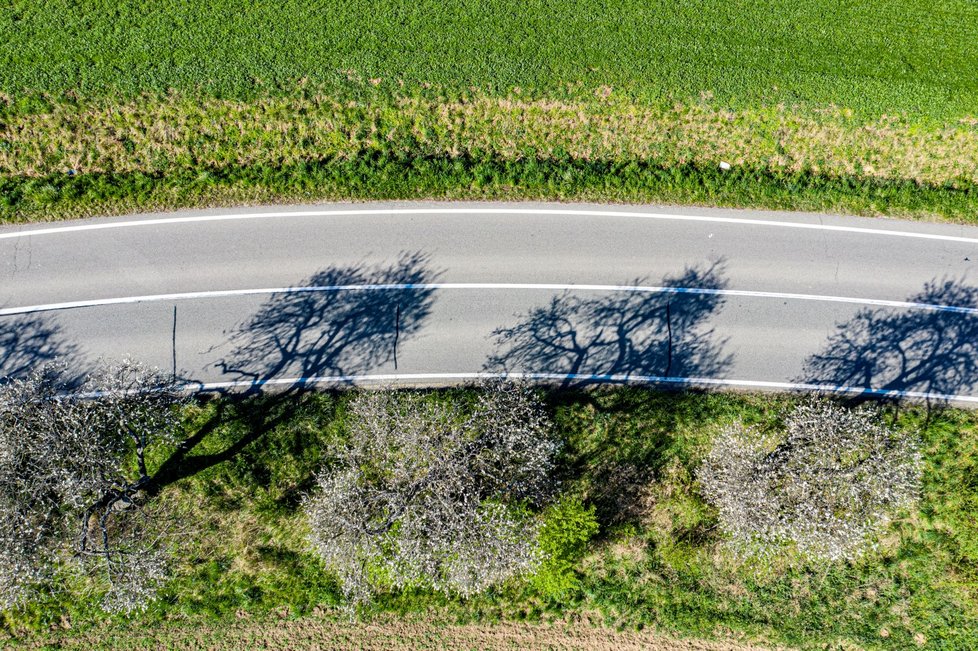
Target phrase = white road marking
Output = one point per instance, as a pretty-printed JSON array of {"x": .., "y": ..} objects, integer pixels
[
  {"x": 638, "y": 379},
  {"x": 48, "y": 307},
  {"x": 480, "y": 211}
]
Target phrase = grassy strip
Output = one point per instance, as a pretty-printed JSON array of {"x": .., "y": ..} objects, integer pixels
[
  {"x": 378, "y": 175},
  {"x": 658, "y": 562},
  {"x": 892, "y": 56},
  {"x": 84, "y": 158},
  {"x": 160, "y": 134}
]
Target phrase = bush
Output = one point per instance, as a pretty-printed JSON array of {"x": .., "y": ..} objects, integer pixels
[
  {"x": 567, "y": 527},
  {"x": 827, "y": 485}
]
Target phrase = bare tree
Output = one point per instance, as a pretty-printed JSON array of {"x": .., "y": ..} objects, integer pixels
[
  {"x": 827, "y": 485},
  {"x": 426, "y": 493},
  {"x": 72, "y": 473}
]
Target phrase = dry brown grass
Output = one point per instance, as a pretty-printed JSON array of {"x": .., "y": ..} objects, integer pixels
[
  {"x": 157, "y": 134},
  {"x": 322, "y": 633}
]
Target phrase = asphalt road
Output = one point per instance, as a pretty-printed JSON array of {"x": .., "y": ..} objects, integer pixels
[{"x": 438, "y": 293}]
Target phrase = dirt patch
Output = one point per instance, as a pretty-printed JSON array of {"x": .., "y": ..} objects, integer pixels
[{"x": 311, "y": 633}]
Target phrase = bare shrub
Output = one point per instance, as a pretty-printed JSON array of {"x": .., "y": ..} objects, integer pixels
[
  {"x": 427, "y": 493},
  {"x": 828, "y": 485},
  {"x": 72, "y": 473}
]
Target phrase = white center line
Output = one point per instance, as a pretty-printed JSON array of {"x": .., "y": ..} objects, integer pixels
[{"x": 649, "y": 289}]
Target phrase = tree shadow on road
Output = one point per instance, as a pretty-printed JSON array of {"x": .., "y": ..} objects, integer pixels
[
  {"x": 920, "y": 350},
  {"x": 340, "y": 322},
  {"x": 620, "y": 335},
  {"x": 352, "y": 324},
  {"x": 29, "y": 342}
]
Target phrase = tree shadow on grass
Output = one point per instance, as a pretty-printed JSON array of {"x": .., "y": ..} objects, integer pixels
[
  {"x": 340, "y": 323},
  {"x": 625, "y": 335},
  {"x": 620, "y": 441},
  {"x": 933, "y": 351},
  {"x": 265, "y": 447}
]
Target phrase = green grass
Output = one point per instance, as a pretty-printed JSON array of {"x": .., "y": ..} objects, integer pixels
[
  {"x": 81, "y": 158},
  {"x": 656, "y": 563},
  {"x": 381, "y": 176},
  {"x": 173, "y": 104},
  {"x": 881, "y": 57}
]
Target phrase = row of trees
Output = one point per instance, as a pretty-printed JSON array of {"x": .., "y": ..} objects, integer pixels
[{"x": 422, "y": 492}]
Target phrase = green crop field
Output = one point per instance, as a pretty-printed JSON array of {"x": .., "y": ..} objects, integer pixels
[
  {"x": 873, "y": 57},
  {"x": 119, "y": 106}
]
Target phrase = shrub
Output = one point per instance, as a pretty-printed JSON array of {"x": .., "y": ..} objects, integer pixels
[
  {"x": 827, "y": 485},
  {"x": 567, "y": 527}
]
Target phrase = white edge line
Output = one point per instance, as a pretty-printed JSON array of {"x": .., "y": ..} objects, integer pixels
[
  {"x": 48, "y": 307},
  {"x": 483, "y": 211},
  {"x": 637, "y": 379},
  {"x": 389, "y": 378}
]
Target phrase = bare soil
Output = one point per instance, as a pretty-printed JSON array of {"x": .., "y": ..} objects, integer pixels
[{"x": 317, "y": 633}]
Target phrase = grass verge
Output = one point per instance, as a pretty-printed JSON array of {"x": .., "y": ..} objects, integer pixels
[
  {"x": 320, "y": 632},
  {"x": 381, "y": 176},
  {"x": 657, "y": 563},
  {"x": 76, "y": 158}
]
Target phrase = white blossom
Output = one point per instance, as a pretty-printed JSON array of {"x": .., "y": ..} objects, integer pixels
[
  {"x": 828, "y": 485},
  {"x": 72, "y": 473},
  {"x": 426, "y": 493}
]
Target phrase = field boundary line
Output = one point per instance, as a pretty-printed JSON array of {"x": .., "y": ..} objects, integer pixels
[{"x": 381, "y": 378}]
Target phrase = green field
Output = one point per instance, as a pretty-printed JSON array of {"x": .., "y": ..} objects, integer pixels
[
  {"x": 657, "y": 562},
  {"x": 109, "y": 107},
  {"x": 881, "y": 57}
]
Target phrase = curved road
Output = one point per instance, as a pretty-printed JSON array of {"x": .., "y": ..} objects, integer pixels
[{"x": 440, "y": 293}]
